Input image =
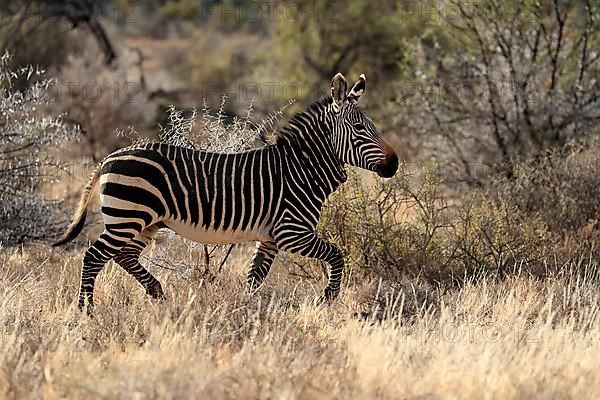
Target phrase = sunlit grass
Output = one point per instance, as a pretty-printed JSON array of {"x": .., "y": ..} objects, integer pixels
[{"x": 209, "y": 339}]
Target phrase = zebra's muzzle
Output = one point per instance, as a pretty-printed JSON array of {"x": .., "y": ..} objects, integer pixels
[{"x": 388, "y": 167}]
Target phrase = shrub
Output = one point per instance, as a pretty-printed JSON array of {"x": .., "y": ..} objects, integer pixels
[
  {"x": 387, "y": 228},
  {"x": 561, "y": 188},
  {"x": 29, "y": 141},
  {"x": 490, "y": 234},
  {"x": 397, "y": 228}
]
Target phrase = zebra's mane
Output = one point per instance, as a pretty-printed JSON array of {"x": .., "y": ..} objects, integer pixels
[{"x": 290, "y": 130}]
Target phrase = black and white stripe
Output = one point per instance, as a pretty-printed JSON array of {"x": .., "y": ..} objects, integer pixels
[{"x": 272, "y": 195}]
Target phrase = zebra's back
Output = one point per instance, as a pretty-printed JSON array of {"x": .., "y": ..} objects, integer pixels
[{"x": 206, "y": 197}]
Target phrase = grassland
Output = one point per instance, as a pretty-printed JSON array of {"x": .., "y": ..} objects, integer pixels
[{"x": 520, "y": 337}]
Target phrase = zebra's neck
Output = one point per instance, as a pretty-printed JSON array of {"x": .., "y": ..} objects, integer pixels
[{"x": 308, "y": 141}]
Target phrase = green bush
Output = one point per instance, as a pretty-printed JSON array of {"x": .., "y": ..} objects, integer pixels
[
  {"x": 398, "y": 228},
  {"x": 386, "y": 228},
  {"x": 561, "y": 188},
  {"x": 490, "y": 234}
]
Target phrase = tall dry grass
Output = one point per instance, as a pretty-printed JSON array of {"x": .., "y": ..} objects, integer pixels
[{"x": 520, "y": 337}]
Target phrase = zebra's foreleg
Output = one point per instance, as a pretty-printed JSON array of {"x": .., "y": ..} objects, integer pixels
[
  {"x": 310, "y": 245},
  {"x": 261, "y": 264}
]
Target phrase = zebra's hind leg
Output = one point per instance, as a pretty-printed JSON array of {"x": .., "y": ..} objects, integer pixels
[
  {"x": 96, "y": 256},
  {"x": 261, "y": 264},
  {"x": 129, "y": 259}
]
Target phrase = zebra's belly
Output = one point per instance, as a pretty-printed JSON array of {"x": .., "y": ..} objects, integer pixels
[{"x": 211, "y": 236}]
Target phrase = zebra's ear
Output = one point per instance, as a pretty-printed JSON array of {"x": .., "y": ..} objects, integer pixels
[
  {"x": 339, "y": 86},
  {"x": 358, "y": 89}
]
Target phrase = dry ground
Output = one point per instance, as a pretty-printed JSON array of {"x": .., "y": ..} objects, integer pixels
[{"x": 519, "y": 338}]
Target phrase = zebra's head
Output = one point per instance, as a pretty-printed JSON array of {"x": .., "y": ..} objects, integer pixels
[{"x": 355, "y": 138}]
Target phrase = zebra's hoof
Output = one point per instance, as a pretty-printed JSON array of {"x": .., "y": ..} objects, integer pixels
[
  {"x": 158, "y": 299},
  {"x": 86, "y": 305},
  {"x": 252, "y": 286},
  {"x": 87, "y": 309},
  {"x": 327, "y": 296},
  {"x": 319, "y": 301},
  {"x": 158, "y": 295}
]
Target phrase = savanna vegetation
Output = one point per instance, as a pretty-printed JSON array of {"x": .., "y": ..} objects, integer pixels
[{"x": 473, "y": 273}]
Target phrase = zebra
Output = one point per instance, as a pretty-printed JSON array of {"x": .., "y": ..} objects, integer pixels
[{"x": 272, "y": 195}]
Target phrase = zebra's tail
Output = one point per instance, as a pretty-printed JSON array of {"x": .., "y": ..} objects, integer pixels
[{"x": 78, "y": 220}]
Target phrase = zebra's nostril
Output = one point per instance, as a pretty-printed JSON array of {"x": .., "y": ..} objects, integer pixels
[{"x": 388, "y": 168}]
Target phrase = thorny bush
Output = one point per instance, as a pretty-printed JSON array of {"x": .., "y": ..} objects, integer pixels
[{"x": 29, "y": 147}]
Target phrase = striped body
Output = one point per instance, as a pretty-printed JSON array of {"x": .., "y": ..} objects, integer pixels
[
  {"x": 272, "y": 195},
  {"x": 205, "y": 197}
]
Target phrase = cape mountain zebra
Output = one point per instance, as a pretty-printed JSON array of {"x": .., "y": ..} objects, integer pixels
[{"x": 272, "y": 195}]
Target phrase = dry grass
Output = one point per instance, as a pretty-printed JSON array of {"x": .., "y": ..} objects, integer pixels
[{"x": 517, "y": 338}]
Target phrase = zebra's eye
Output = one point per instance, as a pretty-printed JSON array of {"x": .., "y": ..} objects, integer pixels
[{"x": 358, "y": 126}]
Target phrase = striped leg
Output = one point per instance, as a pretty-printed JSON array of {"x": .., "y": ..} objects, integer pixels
[
  {"x": 310, "y": 245},
  {"x": 102, "y": 250},
  {"x": 261, "y": 264},
  {"x": 129, "y": 259}
]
